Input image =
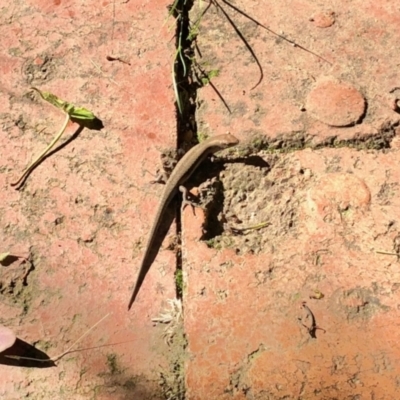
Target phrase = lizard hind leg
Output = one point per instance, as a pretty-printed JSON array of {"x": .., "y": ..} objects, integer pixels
[{"x": 186, "y": 199}]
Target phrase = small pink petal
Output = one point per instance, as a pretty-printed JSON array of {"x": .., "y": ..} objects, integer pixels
[{"x": 7, "y": 338}]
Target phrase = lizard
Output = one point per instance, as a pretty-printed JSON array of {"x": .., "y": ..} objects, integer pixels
[{"x": 181, "y": 173}]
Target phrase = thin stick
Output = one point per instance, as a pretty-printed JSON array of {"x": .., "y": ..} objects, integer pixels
[
  {"x": 43, "y": 154},
  {"x": 386, "y": 252},
  {"x": 174, "y": 84},
  {"x": 102, "y": 73},
  {"x": 273, "y": 32},
  {"x": 245, "y": 42},
  {"x": 254, "y": 227},
  {"x": 56, "y": 358},
  {"x": 113, "y": 22}
]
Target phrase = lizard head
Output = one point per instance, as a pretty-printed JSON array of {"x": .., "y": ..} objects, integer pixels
[{"x": 224, "y": 141}]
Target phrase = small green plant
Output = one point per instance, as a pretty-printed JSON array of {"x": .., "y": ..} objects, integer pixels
[
  {"x": 112, "y": 364},
  {"x": 179, "y": 281},
  {"x": 77, "y": 114},
  {"x": 176, "y": 10},
  {"x": 205, "y": 80},
  {"x": 73, "y": 113},
  {"x": 201, "y": 136}
]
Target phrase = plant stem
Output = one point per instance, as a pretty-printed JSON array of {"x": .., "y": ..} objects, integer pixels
[{"x": 43, "y": 154}]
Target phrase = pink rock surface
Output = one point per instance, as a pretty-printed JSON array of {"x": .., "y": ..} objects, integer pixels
[
  {"x": 331, "y": 211},
  {"x": 322, "y": 202},
  {"x": 323, "y": 19},
  {"x": 7, "y": 338},
  {"x": 241, "y": 311}
]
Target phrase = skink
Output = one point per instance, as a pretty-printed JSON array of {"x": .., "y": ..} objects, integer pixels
[{"x": 183, "y": 170}]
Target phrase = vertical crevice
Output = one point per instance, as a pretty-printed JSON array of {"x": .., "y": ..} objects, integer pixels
[
  {"x": 185, "y": 104},
  {"x": 186, "y": 89}
]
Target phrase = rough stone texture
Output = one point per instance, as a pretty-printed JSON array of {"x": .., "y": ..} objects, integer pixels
[
  {"x": 352, "y": 50},
  {"x": 333, "y": 212},
  {"x": 342, "y": 212}
]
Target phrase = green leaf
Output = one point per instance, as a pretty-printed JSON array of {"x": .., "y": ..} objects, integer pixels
[
  {"x": 205, "y": 80},
  {"x": 75, "y": 113},
  {"x": 79, "y": 113}
]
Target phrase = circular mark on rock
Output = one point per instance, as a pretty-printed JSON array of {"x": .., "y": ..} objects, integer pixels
[
  {"x": 323, "y": 19},
  {"x": 340, "y": 192},
  {"x": 336, "y": 104}
]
